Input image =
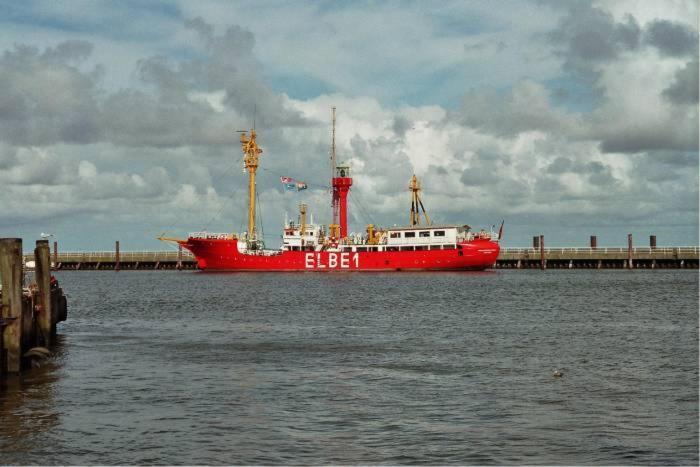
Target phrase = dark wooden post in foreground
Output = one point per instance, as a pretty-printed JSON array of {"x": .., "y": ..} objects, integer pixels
[
  {"x": 11, "y": 277},
  {"x": 594, "y": 242},
  {"x": 543, "y": 262},
  {"x": 117, "y": 266},
  {"x": 179, "y": 257},
  {"x": 652, "y": 241},
  {"x": 630, "y": 264},
  {"x": 42, "y": 257},
  {"x": 55, "y": 255}
]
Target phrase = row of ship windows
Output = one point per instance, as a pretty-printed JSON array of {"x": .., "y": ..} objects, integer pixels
[
  {"x": 422, "y": 233},
  {"x": 291, "y": 234},
  {"x": 350, "y": 248}
]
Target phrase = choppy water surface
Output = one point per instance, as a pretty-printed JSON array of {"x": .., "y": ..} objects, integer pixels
[{"x": 183, "y": 368}]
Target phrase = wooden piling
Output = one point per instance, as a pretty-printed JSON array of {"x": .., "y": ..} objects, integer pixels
[
  {"x": 179, "y": 257},
  {"x": 536, "y": 242},
  {"x": 43, "y": 280},
  {"x": 11, "y": 279},
  {"x": 543, "y": 261},
  {"x": 594, "y": 242},
  {"x": 116, "y": 256},
  {"x": 652, "y": 241},
  {"x": 55, "y": 255},
  {"x": 630, "y": 264}
]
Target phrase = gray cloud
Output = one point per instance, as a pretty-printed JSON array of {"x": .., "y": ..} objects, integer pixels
[
  {"x": 8, "y": 156},
  {"x": 48, "y": 97},
  {"x": 484, "y": 169},
  {"x": 389, "y": 168},
  {"x": 684, "y": 89},
  {"x": 587, "y": 34},
  {"x": 671, "y": 38},
  {"x": 45, "y": 98},
  {"x": 560, "y": 165},
  {"x": 599, "y": 174},
  {"x": 401, "y": 125},
  {"x": 525, "y": 107},
  {"x": 679, "y": 133}
]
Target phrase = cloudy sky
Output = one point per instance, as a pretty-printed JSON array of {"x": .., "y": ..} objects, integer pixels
[{"x": 118, "y": 120}]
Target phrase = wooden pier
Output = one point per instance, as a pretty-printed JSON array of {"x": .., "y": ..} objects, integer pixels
[
  {"x": 598, "y": 258},
  {"x": 30, "y": 311},
  {"x": 592, "y": 257}
]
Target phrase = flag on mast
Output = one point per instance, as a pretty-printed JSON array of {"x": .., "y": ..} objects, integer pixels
[{"x": 293, "y": 185}]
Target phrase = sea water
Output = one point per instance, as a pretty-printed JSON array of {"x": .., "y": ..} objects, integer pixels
[{"x": 157, "y": 367}]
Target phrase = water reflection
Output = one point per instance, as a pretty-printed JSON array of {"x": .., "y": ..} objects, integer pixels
[{"x": 28, "y": 408}]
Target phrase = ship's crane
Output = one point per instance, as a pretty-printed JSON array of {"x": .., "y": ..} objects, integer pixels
[
  {"x": 414, "y": 186},
  {"x": 251, "y": 153}
]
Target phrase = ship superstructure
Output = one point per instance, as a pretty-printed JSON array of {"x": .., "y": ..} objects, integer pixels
[{"x": 307, "y": 246}]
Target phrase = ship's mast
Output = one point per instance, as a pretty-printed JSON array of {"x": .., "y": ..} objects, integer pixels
[
  {"x": 334, "y": 199},
  {"x": 251, "y": 153},
  {"x": 414, "y": 186},
  {"x": 341, "y": 181},
  {"x": 333, "y": 143}
]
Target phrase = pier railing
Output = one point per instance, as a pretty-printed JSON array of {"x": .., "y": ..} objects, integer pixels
[
  {"x": 589, "y": 250},
  {"x": 686, "y": 256},
  {"x": 124, "y": 256}
]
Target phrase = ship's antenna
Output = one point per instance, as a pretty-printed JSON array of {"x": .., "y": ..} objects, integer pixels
[
  {"x": 335, "y": 202},
  {"x": 333, "y": 143}
]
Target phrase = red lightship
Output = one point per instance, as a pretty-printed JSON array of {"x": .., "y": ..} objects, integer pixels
[{"x": 306, "y": 246}]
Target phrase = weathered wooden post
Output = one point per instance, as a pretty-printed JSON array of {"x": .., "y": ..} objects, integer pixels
[
  {"x": 543, "y": 261},
  {"x": 594, "y": 242},
  {"x": 55, "y": 255},
  {"x": 535, "y": 242},
  {"x": 630, "y": 264},
  {"x": 11, "y": 279},
  {"x": 652, "y": 241},
  {"x": 44, "y": 320},
  {"x": 116, "y": 256},
  {"x": 179, "y": 257}
]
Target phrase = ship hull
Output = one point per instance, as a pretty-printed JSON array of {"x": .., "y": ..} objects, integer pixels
[{"x": 223, "y": 255}]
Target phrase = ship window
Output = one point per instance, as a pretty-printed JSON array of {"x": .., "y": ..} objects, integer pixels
[
  {"x": 409, "y": 234},
  {"x": 425, "y": 233},
  {"x": 392, "y": 248},
  {"x": 421, "y": 248},
  {"x": 439, "y": 233},
  {"x": 395, "y": 234},
  {"x": 449, "y": 247},
  {"x": 361, "y": 248},
  {"x": 310, "y": 234}
]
